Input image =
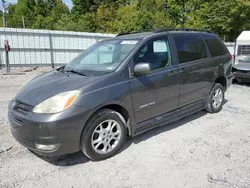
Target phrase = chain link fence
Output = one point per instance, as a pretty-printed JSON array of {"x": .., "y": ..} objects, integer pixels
[{"x": 33, "y": 48}]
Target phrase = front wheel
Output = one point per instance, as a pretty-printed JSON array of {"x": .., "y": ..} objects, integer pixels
[
  {"x": 216, "y": 99},
  {"x": 104, "y": 135}
]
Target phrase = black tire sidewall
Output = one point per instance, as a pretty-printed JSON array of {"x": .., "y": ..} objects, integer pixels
[
  {"x": 216, "y": 86},
  {"x": 86, "y": 146}
]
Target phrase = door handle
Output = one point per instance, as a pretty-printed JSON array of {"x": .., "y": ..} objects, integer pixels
[
  {"x": 182, "y": 70},
  {"x": 173, "y": 73}
]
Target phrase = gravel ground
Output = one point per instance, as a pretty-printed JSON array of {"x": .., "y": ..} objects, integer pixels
[{"x": 203, "y": 150}]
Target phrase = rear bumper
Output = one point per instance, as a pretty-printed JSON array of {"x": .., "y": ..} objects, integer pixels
[{"x": 49, "y": 135}]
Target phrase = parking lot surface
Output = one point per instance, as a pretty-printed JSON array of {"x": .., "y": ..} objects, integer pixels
[{"x": 202, "y": 150}]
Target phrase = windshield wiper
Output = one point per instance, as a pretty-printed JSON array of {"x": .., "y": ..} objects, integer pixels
[{"x": 75, "y": 72}]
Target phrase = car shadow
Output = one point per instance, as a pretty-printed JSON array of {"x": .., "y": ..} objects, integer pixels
[
  {"x": 225, "y": 101},
  {"x": 73, "y": 158},
  {"x": 79, "y": 158},
  {"x": 247, "y": 84},
  {"x": 65, "y": 160}
]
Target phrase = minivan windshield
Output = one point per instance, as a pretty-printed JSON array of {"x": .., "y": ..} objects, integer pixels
[{"x": 103, "y": 57}]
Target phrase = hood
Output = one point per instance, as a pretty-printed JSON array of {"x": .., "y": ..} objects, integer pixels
[
  {"x": 242, "y": 66},
  {"x": 50, "y": 84}
]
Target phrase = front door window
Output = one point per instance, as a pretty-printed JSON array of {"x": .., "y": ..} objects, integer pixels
[{"x": 156, "y": 52}]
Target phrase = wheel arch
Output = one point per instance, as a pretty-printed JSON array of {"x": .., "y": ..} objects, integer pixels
[
  {"x": 121, "y": 111},
  {"x": 221, "y": 80}
]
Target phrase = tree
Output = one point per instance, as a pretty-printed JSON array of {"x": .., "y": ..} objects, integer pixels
[
  {"x": 105, "y": 16},
  {"x": 87, "y": 23},
  {"x": 37, "y": 14},
  {"x": 21, "y": 9},
  {"x": 226, "y": 18},
  {"x": 82, "y": 6},
  {"x": 126, "y": 20}
]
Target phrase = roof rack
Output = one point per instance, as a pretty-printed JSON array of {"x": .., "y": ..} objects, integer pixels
[
  {"x": 165, "y": 30},
  {"x": 180, "y": 29},
  {"x": 134, "y": 32},
  {"x": 128, "y": 33}
]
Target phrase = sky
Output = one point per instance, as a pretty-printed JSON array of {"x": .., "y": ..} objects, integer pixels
[{"x": 67, "y": 2}]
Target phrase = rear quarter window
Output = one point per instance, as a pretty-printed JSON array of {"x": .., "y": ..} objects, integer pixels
[
  {"x": 215, "y": 45},
  {"x": 190, "y": 48}
]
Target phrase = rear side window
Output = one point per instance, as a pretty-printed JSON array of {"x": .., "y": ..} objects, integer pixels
[
  {"x": 190, "y": 48},
  {"x": 215, "y": 45}
]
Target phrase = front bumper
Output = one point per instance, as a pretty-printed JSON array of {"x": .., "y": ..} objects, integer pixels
[
  {"x": 242, "y": 76},
  {"x": 48, "y": 134}
]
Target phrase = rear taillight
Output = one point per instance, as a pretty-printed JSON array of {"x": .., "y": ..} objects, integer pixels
[{"x": 230, "y": 57}]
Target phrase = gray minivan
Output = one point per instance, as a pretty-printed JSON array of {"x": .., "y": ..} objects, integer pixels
[{"x": 121, "y": 87}]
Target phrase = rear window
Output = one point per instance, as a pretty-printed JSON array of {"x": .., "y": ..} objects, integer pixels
[
  {"x": 190, "y": 48},
  {"x": 215, "y": 45}
]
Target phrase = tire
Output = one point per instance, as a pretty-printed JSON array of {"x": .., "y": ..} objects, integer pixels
[
  {"x": 98, "y": 125},
  {"x": 211, "y": 107}
]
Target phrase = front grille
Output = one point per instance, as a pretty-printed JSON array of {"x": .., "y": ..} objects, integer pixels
[
  {"x": 22, "y": 107},
  {"x": 16, "y": 121}
]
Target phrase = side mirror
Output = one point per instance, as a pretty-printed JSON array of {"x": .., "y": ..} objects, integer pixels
[{"x": 142, "y": 69}]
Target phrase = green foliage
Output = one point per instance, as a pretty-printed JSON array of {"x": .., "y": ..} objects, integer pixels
[
  {"x": 82, "y": 6},
  {"x": 37, "y": 14},
  {"x": 137, "y": 16},
  {"x": 225, "y": 17}
]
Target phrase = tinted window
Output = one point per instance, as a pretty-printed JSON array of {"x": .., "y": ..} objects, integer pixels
[
  {"x": 156, "y": 52},
  {"x": 215, "y": 45},
  {"x": 190, "y": 47}
]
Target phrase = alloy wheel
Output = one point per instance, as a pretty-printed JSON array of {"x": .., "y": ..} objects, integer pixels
[
  {"x": 106, "y": 136},
  {"x": 217, "y": 98}
]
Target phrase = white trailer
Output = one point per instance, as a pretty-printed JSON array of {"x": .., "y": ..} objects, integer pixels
[{"x": 242, "y": 47}]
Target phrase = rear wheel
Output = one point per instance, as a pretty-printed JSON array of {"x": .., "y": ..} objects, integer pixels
[
  {"x": 216, "y": 99},
  {"x": 104, "y": 135}
]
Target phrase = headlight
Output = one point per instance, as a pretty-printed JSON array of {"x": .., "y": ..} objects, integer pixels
[{"x": 57, "y": 103}]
